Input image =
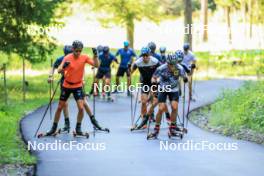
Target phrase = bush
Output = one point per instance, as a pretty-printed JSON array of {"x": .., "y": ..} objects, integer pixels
[{"x": 241, "y": 108}]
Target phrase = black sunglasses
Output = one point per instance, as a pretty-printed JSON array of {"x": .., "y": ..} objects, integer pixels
[{"x": 78, "y": 50}]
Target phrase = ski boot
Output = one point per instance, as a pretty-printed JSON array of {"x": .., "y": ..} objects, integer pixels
[
  {"x": 78, "y": 132},
  {"x": 142, "y": 125},
  {"x": 175, "y": 131},
  {"x": 52, "y": 132},
  {"x": 97, "y": 126},
  {"x": 66, "y": 127},
  {"x": 155, "y": 134}
]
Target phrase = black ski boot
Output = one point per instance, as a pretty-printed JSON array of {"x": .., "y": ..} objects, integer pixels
[
  {"x": 175, "y": 131},
  {"x": 66, "y": 125},
  {"x": 97, "y": 126},
  {"x": 95, "y": 123},
  {"x": 143, "y": 123},
  {"x": 155, "y": 134},
  {"x": 78, "y": 129},
  {"x": 53, "y": 130}
]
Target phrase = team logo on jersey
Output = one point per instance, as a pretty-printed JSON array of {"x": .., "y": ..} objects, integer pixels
[{"x": 176, "y": 72}]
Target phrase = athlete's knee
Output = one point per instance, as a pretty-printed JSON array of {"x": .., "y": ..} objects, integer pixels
[
  {"x": 161, "y": 107},
  {"x": 174, "y": 107},
  {"x": 107, "y": 81},
  {"x": 61, "y": 106}
]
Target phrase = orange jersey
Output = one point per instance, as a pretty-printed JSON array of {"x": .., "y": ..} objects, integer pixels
[{"x": 73, "y": 74}]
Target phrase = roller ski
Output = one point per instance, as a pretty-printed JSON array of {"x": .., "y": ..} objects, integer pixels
[
  {"x": 78, "y": 133},
  {"x": 142, "y": 125},
  {"x": 174, "y": 131},
  {"x": 153, "y": 135},
  {"x": 53, "y": 132},
  {"x": 97, "y": 127}
]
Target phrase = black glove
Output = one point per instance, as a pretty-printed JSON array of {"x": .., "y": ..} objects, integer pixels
[
  {"x": 129, "y": 66},
  {"x": 94, "y": 52},
  {"x": 185, "y": 79},
  {"x": 193, "y": 66},
  {"x": 66, "y": 64}
]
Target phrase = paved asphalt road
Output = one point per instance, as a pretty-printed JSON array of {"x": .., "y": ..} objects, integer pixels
[{"x": 129, "y": 153}]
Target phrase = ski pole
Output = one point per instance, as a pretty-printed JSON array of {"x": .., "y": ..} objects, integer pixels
[
  {"x": 94, "y": 88},
  {"x": 46, "y": 110},
  {"x": 135, "y": 108},
  {"x": 131, "y": 107},
  {"x": 183, "y": 106},
  {"x": 50, "y": 94}
]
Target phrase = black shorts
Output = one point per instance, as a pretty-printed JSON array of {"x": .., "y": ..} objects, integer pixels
[
  {"x": 121, "y": 71},
  {"x": 145, "y": 88},
  {"x": 173, "y": 96},
  {"x": 77, "y": 93},
  {"x": 100, "y": 74}
]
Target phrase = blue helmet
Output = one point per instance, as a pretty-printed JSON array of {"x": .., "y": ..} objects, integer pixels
[
  {"x": 179, "y": 55},
  {"x": 126, "y": 43},
  {"x": 105, "y": 49},
  {"x": 145, "y": 50},
  {"x": 152, "y": 46},
  {"x": 67, "y": 49},
  {"x": 171, "y": 59},
  {"x": 99, "y": 48},
  {"x": 77, "y": 44},
  {"x": 162, "y": 49},
  {"x": 186, "y": 46}
]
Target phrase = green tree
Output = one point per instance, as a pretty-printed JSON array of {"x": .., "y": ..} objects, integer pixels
[
  {"x": 18, "y": 19},
  {"x": 126, "y": 12}
]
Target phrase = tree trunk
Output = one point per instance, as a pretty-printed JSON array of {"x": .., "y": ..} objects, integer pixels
[
  {"x": 250, "y": 17},
  {"x": 244, "y": 11},
  {"x": 24, "y": 81},
  {"x": 228, "y": 10},
  {"x": 188, "y": 22},
  {"x": 5, "y": 85},
  {"x": 204, "y": 15},
  {"x": 130, "y": 32}
]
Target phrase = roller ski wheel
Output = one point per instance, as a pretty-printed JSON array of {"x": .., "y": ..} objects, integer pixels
[
  {"x": 138, "y": 129},
  {"x": 152, "y": 136},
  {"x": 40, "y": 135},
  {"x": 64, "y": 130},
  {"x": 175, "y": 134},
  {"x": 133, "y": 128},
  {"x": 80, "y": 134},
  {"x": 103, "y": 129}
]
